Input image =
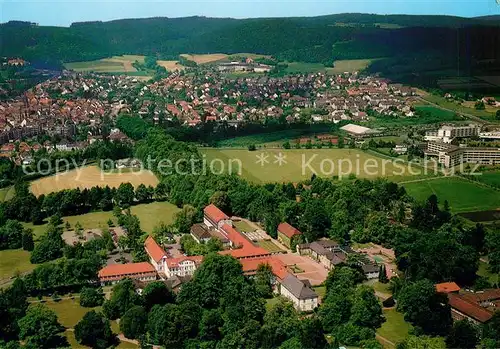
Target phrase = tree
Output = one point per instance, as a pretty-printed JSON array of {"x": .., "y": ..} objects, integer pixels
[
  {"x": 491, "y": 332},
  {"x": 366, "y": 309},
  {"x": 39, "y": 328},
  {"x": 184, "y": 219},
  {"x": 91, "y": 297},
  {"x": 133, "y": 322},
  {"x": 311, "y": 334},
  {"x": 252, "y": 147},
  {"x": 497, "y": 115},
  {"x": 280, "y": 324},
  {"x": 480, "y": 105},
  {"x": 142, "y": 193},
  {"x": 463, "y": 334},
  {"x": 263, "y": 278},
  {"x": 221, "y": 200},
  {"x": 382, "y": 276},
  {"x": 157, "y": 293},
  {"x": 125, "y": 194},
  {"x": 122, "y": 298},
  {"x": 94, "y": 330},
  {"x": 49, "y": 247},
  {"x": 27, "y": 240},
  {"x": 424, "y": 308},
  {"x": 421, "y": 342}
]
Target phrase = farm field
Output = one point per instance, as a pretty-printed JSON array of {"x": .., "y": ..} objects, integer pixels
[
  {"x": 300, "y": 163},
  {"x": 88, "y": 177},
  {"x": 115, "y": 64},
  {"x": 171, "y": 65},
  {"x": 395, "y": 328},
  {"x": 215, "y": 57},
  {"x": 462, "y": 195},
  {"x": 349, "y": 66},
  {"x": 14, "y": 262}
]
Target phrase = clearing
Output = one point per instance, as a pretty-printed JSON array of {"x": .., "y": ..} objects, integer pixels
[
  {"x": 171, "y": 65},
  {"x": 88, "y": 177},
  {"x": 462, "y": 195},
  {"x": 6, "y": 193},
  {"x": 395, "y": 328},
  {"x": 293, "y": 165},
  {"x": 351, "y": 65},
  {"x": 13, "y": 262},
  {"x": 150, "y": 215}
]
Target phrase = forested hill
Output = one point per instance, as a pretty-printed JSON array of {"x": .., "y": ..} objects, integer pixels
[{"x": 453, "y": 40}]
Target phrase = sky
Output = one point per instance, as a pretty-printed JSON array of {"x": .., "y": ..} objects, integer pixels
[{"x": 64, "y": 12}]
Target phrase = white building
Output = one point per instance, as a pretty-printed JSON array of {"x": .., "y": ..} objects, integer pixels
[
  {"x": 182, "y": 266},
  {"x": 447, "y": 133},
  {"x": 214, "y": 217},
  {"x": 299, "y": 292}
]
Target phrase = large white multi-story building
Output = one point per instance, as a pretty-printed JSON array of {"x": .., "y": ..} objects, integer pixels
[
  {"x": 450, "y": 155},
  {"x": 447, "y": 133}
]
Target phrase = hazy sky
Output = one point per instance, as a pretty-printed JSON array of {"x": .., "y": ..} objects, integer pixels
[{"x": 64, "y": 12}]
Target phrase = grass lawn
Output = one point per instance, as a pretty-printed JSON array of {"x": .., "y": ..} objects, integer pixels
[
  {"x": 462, "y": 195},
  {"x": 243, "y": 226},
  {"x": 379, "y": 287},
  {"x": 13, "y": 262},
  {"x": 149, "y": 215},
  {"x": 69, "y": 311},
  {"x": 321, "y": 291},
  {"x": 490, "y": 178},
  {"x": 300, "y": 164},
  {"x": 154, "y": 213},
  {"x": 301, "y": 67},
  {"x": 394, "y": 329},
  {"x": 483, "y": 271},
  {"x": 268, "y": 245},
  {"x": 6, "y": 193}
]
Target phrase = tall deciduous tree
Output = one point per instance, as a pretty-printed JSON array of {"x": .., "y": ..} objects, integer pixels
[
  {"x": 41, "y": 329},
  {"x": 94, "y": 330}
]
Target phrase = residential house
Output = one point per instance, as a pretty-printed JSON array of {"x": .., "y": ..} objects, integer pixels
[
  {"x": 299, "y": 292},
  {"x": 447, "y": 287},
  {"x": 371, "y": 270},
  {"x": 286, "y": 233}
]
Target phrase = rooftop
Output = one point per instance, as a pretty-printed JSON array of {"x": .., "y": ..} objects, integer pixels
[
  {"x": 298, "y": 288},
  {"x": 120, "y": 270},
  {"x": 153, "y": 249},
  {"x": 288, "y": 230},
  {"x": 214, "y": 213},
  {"x": 447, "y": 287}
]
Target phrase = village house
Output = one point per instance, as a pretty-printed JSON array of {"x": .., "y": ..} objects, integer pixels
[
  {"x": 200, "y": 233},
  {"x": 286, "y": 233},
  {"x": 157, "y": 255},
  {"x": 182, "y": 266},
  {"x": 299, "y": 292}
]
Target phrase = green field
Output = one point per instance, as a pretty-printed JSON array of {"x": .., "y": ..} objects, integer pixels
[
  {"x": 150, "y": 215},
  {"x": 13, "y": 262},
  {"x": 6, "y": 193},
  {"x": 301, "y": 164},
  {"x": 462, "y": 195},
  {"x": 436, "y": 116},
  {"x": 154, "y": 213},
  {"x": 268, "y": 245},
  {"x": 349, "y": 66},
  {"x": 490, "y": 178},
  {"x": 243, "y": 226},
  {"x": 394, "y": 329},
  {"x": 484, "y": 272},
  {"x": 443, "y": 102}
]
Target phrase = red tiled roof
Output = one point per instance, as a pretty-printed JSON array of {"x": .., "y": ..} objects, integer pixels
[
  {"x": 214, "y": 213},
  {"x": 447, "y": 287},
  {"x": 250, "y": 266},
  {"x": 122, "y": 270},
  {"x": 246, "y": 250},
  {"x": 153, "y": 249},
  {"x": 174, "y": 262},
  {"x": 288, "y": 230},
  {"x": 472, "y": 310}
]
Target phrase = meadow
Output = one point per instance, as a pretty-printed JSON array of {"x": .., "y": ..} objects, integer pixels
[
  {"x": 443, "y": 102},
  {"x": 115, "y": 64},
  {"x": 13, "y": 262},
  {"x": 300, "y": 164},
  {"x": 490, "y": 178},
  {"x": 88, "y": 177},
  {"x": 462, "y": 195},
  {"x": 395, "y": 328},
  {"x": 6, "y": 193}
]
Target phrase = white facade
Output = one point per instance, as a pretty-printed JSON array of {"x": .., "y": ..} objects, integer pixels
[
  {"x": 219, "y": 225},
  {"x": 186, "y": 267},
  {"x": 299, "y": 304}
]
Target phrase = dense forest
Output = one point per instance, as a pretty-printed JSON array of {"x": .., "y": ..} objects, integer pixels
[{"x": 410, "y": 45}]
